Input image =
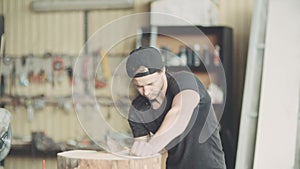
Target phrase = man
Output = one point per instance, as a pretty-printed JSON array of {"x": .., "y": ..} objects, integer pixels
[{"x": 173, "y": 112}]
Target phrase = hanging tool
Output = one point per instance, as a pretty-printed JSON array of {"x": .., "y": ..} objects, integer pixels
[
  {"x": 49, "y": 67},
  {"x": 70, "y": 74},
  {"x": 23, "y": 78},
  {"x": 31, "y": 73},
  {"x": 30, "y": 109},
  {"x": 2, "y": 85},
  {"x": 101, "y": 83},
  {"x": 42, "y": 76},
  {"x": 7, "y": 60},
  {"x": 105, "y": 65},
  {"x": 86, "y": 73},
  {"x": 13, "y": 79},
  {"x": 1, "y": 56},
  {"x": 58, "y": 66}
]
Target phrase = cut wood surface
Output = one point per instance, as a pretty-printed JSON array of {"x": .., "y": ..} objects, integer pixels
[{"x": 89, "y": 159}]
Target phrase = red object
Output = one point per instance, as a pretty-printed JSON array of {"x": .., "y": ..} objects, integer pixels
[
  {"x": 99, "y": 84},
  {"x": 58, "y": 64},
  {"x": 44, "y": 164}
]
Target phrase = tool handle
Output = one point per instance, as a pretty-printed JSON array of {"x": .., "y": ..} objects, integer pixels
[{"x": 43, "y": 164}]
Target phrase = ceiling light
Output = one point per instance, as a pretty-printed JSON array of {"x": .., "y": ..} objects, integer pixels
[{"x": 75, "y": 5}]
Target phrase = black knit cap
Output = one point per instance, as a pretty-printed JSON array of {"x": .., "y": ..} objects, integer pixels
[{"x": 148, "y": 57}]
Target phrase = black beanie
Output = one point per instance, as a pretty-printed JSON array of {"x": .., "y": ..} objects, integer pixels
[{"x": 148, "y": 57}]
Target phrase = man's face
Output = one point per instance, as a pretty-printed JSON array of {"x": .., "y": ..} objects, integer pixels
[{"x": 151, "y": 85}]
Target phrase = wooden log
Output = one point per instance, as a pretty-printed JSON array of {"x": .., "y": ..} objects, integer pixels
[{"x": 88, "y": 159}]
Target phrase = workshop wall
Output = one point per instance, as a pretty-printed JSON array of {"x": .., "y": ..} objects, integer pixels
[
  {"x": 100, "y": 18},
  {"x": 1, "y": 7},
  {"x": 237, "y": 14},
  {"x": 29, "y": 32},
  {"x": 36, "y": 33},
  {"x": 57, "y": 32}
]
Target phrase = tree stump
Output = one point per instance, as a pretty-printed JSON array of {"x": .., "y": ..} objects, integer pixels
[{"x": 88, "y": 159}]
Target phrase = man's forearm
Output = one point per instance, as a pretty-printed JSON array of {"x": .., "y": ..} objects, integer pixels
[
  {"x": 176, "y": 120},
  {"x": 168, "y": 131}
]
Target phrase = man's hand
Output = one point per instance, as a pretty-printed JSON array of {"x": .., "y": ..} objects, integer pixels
[{"x": 144, "y": 148}]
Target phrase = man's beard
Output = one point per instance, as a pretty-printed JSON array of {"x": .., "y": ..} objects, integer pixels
[{"x": 157, "y": 93}]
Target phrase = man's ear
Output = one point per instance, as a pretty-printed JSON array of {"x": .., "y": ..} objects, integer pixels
[{"x": 163, "y": 70}]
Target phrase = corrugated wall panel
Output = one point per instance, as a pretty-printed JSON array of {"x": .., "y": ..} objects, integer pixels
[
  {"x": 98, "y": 19},
  {"x": 106, "y": 18},
  {"x": 32, "y": 32}
]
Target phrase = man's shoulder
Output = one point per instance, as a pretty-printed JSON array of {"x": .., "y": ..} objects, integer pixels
[
  {"x": 184, "y": 76},
  {"x": 184, "y": 80}
]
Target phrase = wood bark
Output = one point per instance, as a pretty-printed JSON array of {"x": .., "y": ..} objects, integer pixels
[{"x": 88, "y": 159}]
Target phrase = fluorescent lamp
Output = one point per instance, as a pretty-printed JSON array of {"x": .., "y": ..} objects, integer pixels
[{"x": 73, "y": 5}]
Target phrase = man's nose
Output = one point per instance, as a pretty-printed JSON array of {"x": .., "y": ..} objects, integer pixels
[{"x": 146, "y": 91}]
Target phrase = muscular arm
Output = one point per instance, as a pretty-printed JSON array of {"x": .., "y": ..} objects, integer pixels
[
  {"x": 177, "y": 119},
  {"x": 174, "y": 124},
  {"x": 136, "y": 144}
]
